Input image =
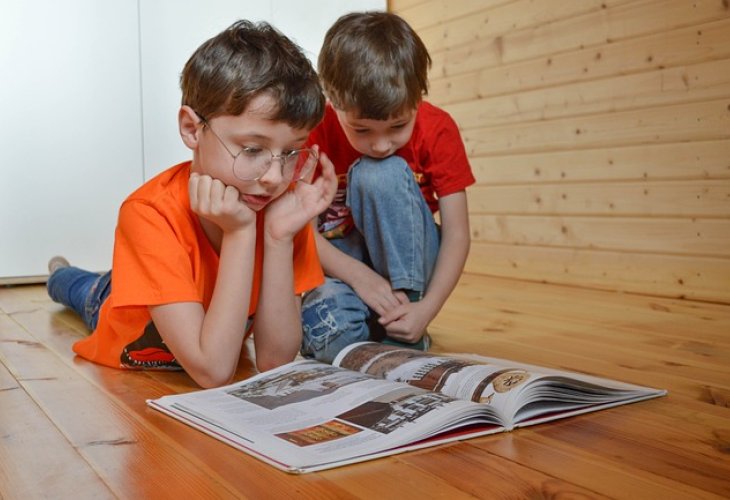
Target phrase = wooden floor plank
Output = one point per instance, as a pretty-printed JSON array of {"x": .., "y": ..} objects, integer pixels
[
  {"x": 486, "y": 475},
  {"x": 667, "y": 318},
  {"x": 589, "y": 470},
  {"x": 132, "y": 460},
  {"x": 699, "y": 352},
  {"x": 642, "y": 452},
  {"x": 28, "y": 437},
  {"x": 674, "y": 447}
]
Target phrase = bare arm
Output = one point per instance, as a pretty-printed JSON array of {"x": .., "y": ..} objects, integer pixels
[
  {"x": 408, "y": 321},
  {"x": 372, "y": 288},
  {"x": 277, "y": 327},
  {"x": 208, "y": 344}
]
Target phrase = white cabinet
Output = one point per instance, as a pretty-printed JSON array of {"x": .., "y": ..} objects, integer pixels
[
  {"x": 70, "y": 142},
  {"x": 88, "y": 98}
]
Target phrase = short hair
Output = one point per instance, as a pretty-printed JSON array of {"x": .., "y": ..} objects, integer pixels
[
  {"x": 373, "y": 63},
  {"x": 244, "y": 61}
]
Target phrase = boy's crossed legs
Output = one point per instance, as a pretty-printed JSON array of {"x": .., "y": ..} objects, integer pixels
[{"x": 395, "y": 234}]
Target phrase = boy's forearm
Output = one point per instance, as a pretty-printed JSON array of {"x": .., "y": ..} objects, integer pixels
[
  {"x": 338, "y": 264},
  {"x": 278, "y": 328},
  {"x": 453, "y": 251},
  {"x": 223, "y": 326},
  {"x": 449, "y": 266}
]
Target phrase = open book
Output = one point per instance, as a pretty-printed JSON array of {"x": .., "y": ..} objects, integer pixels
[{"x": 377, "y": 400}]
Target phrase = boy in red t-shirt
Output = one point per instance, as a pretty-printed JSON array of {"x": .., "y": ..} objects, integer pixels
[
  {"x": 202, "y": 246},
  {"x": 398, "y": 159}
]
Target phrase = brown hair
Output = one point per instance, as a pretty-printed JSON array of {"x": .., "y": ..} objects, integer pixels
[
  {"x": 373, "y": 63},
  {"x": 225, "y": 73}
]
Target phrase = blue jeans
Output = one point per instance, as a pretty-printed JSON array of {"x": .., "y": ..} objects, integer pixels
[
  {"x": 395, "y": 235},
  {"x": 80, "y": 290}
]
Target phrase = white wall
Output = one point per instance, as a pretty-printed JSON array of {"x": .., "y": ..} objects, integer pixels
[
  {"x": 89, "y": 99},
  {"x": 70, "y": 144}
]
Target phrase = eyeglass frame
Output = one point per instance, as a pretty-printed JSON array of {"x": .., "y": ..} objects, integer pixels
[{"x": 283, "y": 158}]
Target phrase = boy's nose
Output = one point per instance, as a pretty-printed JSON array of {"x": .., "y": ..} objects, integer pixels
[
  {"x": 380, "y": 147},
  {"x": 274, "y": 175}
]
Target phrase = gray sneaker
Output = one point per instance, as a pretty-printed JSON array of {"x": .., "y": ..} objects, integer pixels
[
  {"x": 57, "y": 263},
  {"x": 422, "y": 345}
]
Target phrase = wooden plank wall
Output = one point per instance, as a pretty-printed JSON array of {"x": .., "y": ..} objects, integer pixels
[{"x": 599, "y": 133}]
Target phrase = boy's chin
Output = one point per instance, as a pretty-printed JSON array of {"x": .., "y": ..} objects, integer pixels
[
  {"x": 256, "y": 203},
  {"x": 257, "y": 209},
  {"x": 379, "y": 156}
]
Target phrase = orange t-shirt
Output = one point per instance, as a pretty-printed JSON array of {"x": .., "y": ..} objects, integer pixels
[{"x": 161, "y": 256}]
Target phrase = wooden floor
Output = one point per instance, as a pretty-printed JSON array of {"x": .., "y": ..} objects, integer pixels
[{"x": 70, "y": 429}]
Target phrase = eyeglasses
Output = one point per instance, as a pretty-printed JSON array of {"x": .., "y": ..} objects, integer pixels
[{"x": 252, "y": 162}]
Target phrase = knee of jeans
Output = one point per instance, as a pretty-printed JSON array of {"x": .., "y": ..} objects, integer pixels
[
  {"x": 330, "y": 323},
  {"x": 370, "y": 175}
]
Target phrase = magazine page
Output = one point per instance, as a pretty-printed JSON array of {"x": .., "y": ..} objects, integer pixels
[
  {"x": 553, "y": 394},
  {"x": 478, "y": 380},
  {"x": 518, "y": 392},
  {"x": 309, "y": 416}
]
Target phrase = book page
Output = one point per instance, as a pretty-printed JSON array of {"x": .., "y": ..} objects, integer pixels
[
  {"x": 459, "y": 377},
  {"x": 308, "y": 415},
  {"x": 517, "y": 391}
]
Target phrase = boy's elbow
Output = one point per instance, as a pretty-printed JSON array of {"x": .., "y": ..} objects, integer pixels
[
  {"x": 266, "y": 363},
  {"x": 209, "y": 379}
]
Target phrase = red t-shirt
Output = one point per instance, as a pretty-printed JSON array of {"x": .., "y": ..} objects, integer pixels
[
  {"x": 435, "y": 153},
  {"x": 161, "y": 256}
]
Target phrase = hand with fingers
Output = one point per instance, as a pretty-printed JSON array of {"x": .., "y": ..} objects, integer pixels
[
  {"x": 289, "y": 213},
  {"x": 407, "y": 322},
  {"x": 377, "y": 292},
  {"x": 218, "y": 203}
]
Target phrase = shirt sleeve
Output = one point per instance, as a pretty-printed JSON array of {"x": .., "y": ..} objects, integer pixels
[
  {"x": 151, "y": 265},
  {"x": 447, "y": 163}
]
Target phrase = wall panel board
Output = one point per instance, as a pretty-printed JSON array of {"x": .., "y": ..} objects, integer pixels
[{"x": 599, "y": 135}]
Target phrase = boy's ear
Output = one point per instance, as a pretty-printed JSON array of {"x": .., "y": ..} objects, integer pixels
[{"x": 188, "y": 121}]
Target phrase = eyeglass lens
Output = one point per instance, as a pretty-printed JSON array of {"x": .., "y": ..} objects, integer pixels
[{"x": 253, "y": 164}]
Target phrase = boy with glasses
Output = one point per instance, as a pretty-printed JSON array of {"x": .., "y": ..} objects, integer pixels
[
  {"x": 389, "y": 267},
  {"x": 206, "y": 244}
]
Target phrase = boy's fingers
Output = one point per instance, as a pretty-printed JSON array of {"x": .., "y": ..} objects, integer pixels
[
  {"x": 307, "y": 170},
  {"x": 328, "y": 169},
  {"x": 204, "y": 182},
  {"x": 401, "y": 297},
  {"x": 391, "y": 315},
  {"x": 199, "y": 187},
  {"x": 230, "y": 195},
  {"x": 328, "y": 177},
  {"x": 311, "y": 164},
  {"x": 193, "y": 190},
  {"x": 217, "y": 192}
]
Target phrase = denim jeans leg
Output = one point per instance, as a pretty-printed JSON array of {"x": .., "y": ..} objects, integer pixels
[
  {"x": 80, "y": 290},
  {"x": 400, "y": 234},
  {"x": 97, "y": 295},
  {"x": 353, "y": 245},
  {"x": 333, "y": 317}
]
